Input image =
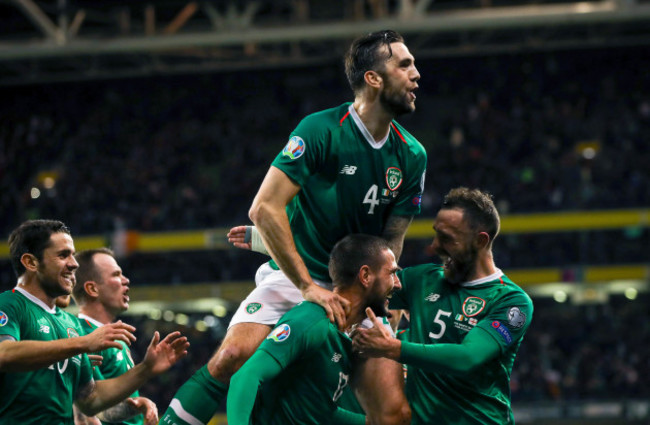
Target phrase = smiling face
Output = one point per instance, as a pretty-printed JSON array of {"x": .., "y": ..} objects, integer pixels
[
  {"x": 454, "y": 244},
  {"x": 399, "y": 78},
  {"x": 385, "y": 281},
  {"x": 112, "y": 285},
  {"x": 55, "y": 272}
]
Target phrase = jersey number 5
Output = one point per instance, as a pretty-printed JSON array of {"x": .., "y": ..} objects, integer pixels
[{"x": 439, "y": 321}]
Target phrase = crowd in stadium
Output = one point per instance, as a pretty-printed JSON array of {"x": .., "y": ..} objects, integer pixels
[{"x": 542, "y": 132}]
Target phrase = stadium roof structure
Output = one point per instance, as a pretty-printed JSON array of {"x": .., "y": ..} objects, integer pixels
[{"x": 67, "y": 40}]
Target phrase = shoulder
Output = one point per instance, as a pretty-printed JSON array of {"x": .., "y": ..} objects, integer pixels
[
  {"x": 11, "y": 299},
  {"x": 304, "y": 317},
  {"x": 322, "y": 121},
  {"x": 511, "y": 289},
  {"x": 427, "y": 269},
  {"x": 410, "y": 143}
]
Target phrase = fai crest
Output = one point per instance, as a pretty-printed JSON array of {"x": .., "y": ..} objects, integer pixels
[
  {"x": 253, "y": 307},
  {"x": 72, "y": 333},
  {"x": 294, "y": 148},
  {"x": 280, "y": 333},
  {"x": 473, "y": 306},
  {"x": 393, "y": 178}
]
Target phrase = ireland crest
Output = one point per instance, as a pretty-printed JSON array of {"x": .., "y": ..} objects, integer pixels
[
  {"x": 473, "y": 306},
  {"x": 253, "y": 307},
  {"x": 393, "y": 178}
]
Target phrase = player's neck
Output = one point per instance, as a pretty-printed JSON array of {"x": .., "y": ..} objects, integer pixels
[
  {"x": 357, "y": 308},
  {"x": 374, "y": 117},
  {"x": 484, "y": 266},
  {"x": 32, "y": 286},
  {"x": 97, "y": 312}
]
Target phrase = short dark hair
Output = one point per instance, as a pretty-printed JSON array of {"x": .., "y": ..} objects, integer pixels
[
  {"x": 32, "y": 237},
  {"x": 351, "y": 253},
  {"x": 87, "y": 271},
  {"x": 365, "y": 54},
  {"x": 478, "y": 209}
]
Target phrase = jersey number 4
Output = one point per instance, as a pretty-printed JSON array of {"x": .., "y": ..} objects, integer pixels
[{"x": 371, "y": 198}]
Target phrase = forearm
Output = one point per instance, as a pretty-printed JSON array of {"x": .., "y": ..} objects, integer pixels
[
  {"x": 273, "y": 225},
  {"x": 458, "y": 359},
  {"x": 395, "y": 231},
  {"x": 109, "y": 392},
  {"x": 118, "y": 413},
  {"x": 22, "y": 356},
  {"x": 81, "y": 419}
]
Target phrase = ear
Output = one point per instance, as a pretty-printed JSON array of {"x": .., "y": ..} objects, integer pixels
[
  {"x": 482, "y": 240},
  {"x": 365, "y": 276},
  {"x": 373, "y": 79},
  {"x": 29, "y": 262},
  {"x": 90, "y": 286}
]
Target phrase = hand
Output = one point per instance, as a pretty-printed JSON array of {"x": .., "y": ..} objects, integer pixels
[
  {"x": 146, "y": 407},
  {"x": 107, "y": 336},
  {"x": 161, "y": 355},
  {"x": 237, "y": 237},
  {"x": 376, "y": 341},
  {"x": 336, "y": 307},
  {"x": 95, "y": 359}
]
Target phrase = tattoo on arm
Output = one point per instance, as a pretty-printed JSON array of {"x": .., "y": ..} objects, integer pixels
[
  {"x": 394, "y": 233},
  {"x": 118, "y": 413}
]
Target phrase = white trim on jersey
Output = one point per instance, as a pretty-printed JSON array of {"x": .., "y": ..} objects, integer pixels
[
  {"x": 90, "y": 319},
  {"x": 494, "y": 276},
  {"x": 35, "y": 300},
  {"x": 376, "y": 144}
]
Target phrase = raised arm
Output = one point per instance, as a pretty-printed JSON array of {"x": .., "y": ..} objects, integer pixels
[
  {"x": 268, "y": 212},
  {"x": 160, "y": 356},
  {"x": 21, "y": 356}
]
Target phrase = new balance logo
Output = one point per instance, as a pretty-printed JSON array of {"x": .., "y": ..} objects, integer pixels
[
  {"x": 336, "y": 357},
  {"x": 45, "y": 329},
  {"x": 348, "y": 169},
  {"x": 432, "y": 297}
]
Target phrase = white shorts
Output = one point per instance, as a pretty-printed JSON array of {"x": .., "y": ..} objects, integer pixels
[{"x": 274, "y": 295}]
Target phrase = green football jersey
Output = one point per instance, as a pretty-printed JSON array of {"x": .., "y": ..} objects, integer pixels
[
  {"x": 42, "y": 396},
  {"x": 316, "y": 360},
  {"x": 348, "y": 183},
  {"x": 115, "y": 362},
  {"x": 445, "y": 313}
]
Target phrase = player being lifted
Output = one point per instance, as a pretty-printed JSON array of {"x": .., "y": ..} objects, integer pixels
[{"x": 349, "y": 169}]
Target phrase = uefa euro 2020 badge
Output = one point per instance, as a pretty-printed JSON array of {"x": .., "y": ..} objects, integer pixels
[{"x": 281, "y": 333}]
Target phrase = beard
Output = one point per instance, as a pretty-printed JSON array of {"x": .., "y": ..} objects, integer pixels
[
  {"x": 393, "y": 101},
  {"x": 378, "y": 305},
  {"x": 460, "y": 267},
  {"x": 51, "y": 286}
]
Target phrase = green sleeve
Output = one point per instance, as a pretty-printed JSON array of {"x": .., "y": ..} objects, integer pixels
[
  {"x": 245, "y": 385},
  {"x": 341, "y": 416},
  {"x": 477, "y": 348}
]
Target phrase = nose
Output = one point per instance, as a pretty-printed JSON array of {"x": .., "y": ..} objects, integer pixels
[
  {"x": 416, "y": 74},
  {"x": 72, "y": 263},
  {"x": 397, "y": 285},
  {"x": 125, "y": 281}
]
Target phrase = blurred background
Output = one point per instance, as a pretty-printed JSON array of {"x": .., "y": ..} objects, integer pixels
[{"x": 147, "y": 126}]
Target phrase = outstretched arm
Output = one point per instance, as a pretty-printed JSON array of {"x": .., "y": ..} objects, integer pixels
[
  {"x": 476, "y": 349},
  {"x": 268, "y": 212},
  {"x": 395, "y": 231},
  {"x": 160, "y": 356},
  {"x": 21, "y": 356}
]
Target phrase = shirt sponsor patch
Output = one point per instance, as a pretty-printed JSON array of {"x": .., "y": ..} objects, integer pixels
[
  {"x": 516, "y": 318},
  {"x": 294, "y": 148},
  {"x": 473, "y": 306},
  {"x": 503, "y": 331},
  {"x": 4, "y": 319},
  {"x": 281, "y": 333}
]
